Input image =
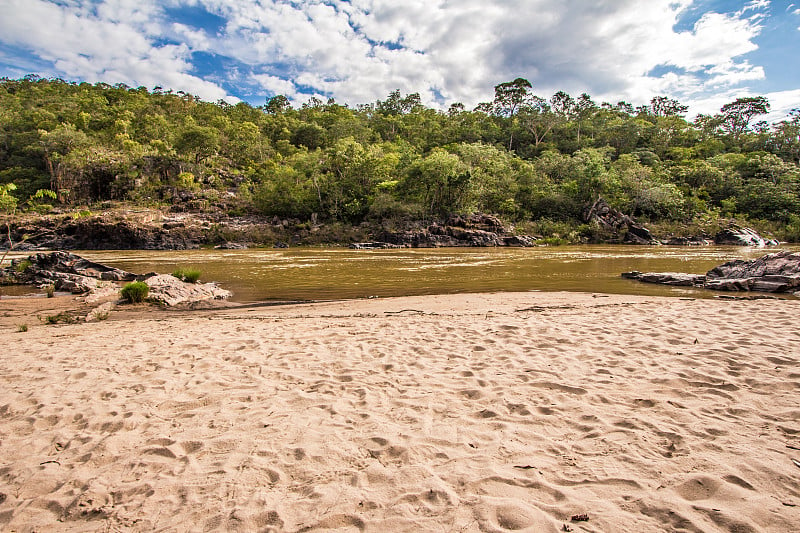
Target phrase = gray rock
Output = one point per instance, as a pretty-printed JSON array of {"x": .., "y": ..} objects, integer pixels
[
  {"x": 373, "y": 246},
  {"x": 74, "y": 283},
  {"x": 667, "y": 278},
  {"x": 170, "y": 291},
  {"x": 738, "y": 236},
  {"x": 778, "y": 272}
]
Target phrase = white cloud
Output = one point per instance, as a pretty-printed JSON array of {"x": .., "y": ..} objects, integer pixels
[
  {"x": 111, "y": 44},
  {"x": 781, "y": 102},
  {"x": 360, "y": 50}
]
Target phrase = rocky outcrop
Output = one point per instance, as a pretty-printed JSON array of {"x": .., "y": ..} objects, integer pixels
[
  {"x": 687, "y": 241},
  {"x": 70, "y": 272},
  {"x": 458, "y": 231},
  {"x": 618, "y": 223},
  {"x": 168, "y": 290},
  {"x": 65, "y": 272},
  {"x": 739, "y": 236},
  {"x": 778, "y": 272},
  {"x": 107, "y": 233}
]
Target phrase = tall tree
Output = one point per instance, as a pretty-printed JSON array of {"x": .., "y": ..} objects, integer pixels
[
  {"x": 661, "y": 106},
  {"x": 736, "y": 116},
  {"x": 509, "y": 97}
]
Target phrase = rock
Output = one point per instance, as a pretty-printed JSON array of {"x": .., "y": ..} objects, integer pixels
[
  {"x": 170, "y": 291},
  {"x": 231, "y": 246},
  {"x": 65, "y": 271},
  {"x": 281, "y": 244},
  {"x": 687, "y": 241},
  {"x": 459, "y": 231},
  {"x": 667, "y": 278},
  {"x": 617, "y": 222},
  {"x": 74, "y": 283},
  {"x": 68, "y": 263},
  {"x": 100, "y": 312},
  {"x": 373, "y": 246},
  {"x": 638, "y": 235},
  {"x": 778, "y": 272},
  {"x": 519, "y": 240},
  {"x": 738, "y": 236}
]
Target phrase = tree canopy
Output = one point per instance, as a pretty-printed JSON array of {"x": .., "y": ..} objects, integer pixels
[{"x": 524, "y": 156}]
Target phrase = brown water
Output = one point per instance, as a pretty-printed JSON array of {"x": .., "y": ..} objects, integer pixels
[{"x": 332, "y": 273}]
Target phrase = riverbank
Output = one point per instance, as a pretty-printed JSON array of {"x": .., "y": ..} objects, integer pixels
[
  {"x": 463, "y": 412},
  {"x": 131, "y": 227}
]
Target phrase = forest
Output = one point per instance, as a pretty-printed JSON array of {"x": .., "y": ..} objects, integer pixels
[{"x": 533, "y": 161}]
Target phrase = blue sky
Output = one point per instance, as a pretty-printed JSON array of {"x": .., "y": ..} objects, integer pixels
[{"x": 704, "y": 53}]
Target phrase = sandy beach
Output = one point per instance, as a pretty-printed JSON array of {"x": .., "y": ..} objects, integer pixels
[{"x": 481, "y": 412}]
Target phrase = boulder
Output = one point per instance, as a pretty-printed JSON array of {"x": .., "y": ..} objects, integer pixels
[
  {"x": 231, "y": 246},
  {"x": 65, "y": 262},
  {"x": 667, "y": 278},
  {"x": 170, "y": 291},
  {"x": 687, "y": 241},
  {"x": 778, "y": 272},
  {"x": 476, "y": 230},
  {"x": 738, "y": 236},
  {"x": 373, "y": 246},
  {"x": 617, "y": 222}
]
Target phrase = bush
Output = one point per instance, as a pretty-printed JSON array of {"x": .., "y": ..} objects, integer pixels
[
  {"x": 135, "y": 292},
  {"x": 189, "y": 275}
]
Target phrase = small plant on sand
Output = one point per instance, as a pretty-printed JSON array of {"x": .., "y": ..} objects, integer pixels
[
  {"x": 189, "y": 275},
  {"x": 135, "y": 292},
  {"x": 22, "y": 328},
  {"x": 63, "y": 316}
]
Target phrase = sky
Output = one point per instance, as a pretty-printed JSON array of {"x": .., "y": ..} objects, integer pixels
[{"x": 704, "y": 53}]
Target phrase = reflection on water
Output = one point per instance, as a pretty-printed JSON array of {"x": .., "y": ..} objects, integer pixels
[{"x": 320, "y": 274}]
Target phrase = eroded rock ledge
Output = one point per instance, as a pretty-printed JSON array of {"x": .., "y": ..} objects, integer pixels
[
  {"x": 94, "y": 281},
  {"x": 778, "y": 272}
]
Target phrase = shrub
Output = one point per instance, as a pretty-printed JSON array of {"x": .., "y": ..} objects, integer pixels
[
  {"x": 22, "y": 328},
  {"x": 50, "y": 290},
  {"x": 135, "y": 292},
  {"x": 189, "y": 275},
  {"x": 63, "y": 316}
]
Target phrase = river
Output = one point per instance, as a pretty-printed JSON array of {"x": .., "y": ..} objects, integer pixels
[{"x": 257, "y": 275}]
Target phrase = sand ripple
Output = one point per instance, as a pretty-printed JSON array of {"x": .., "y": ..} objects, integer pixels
[{"x": 462, "y": 413}]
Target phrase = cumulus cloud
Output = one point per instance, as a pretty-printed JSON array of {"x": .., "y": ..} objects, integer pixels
[
  {"x": 360, "y": 50},
  {"x": 112, "y": 42}
]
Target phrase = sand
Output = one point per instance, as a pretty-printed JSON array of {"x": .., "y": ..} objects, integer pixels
[{"x": 484, "y": 412}]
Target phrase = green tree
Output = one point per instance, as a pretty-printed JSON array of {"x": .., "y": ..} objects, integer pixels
[{"x": 737, "y": 115}]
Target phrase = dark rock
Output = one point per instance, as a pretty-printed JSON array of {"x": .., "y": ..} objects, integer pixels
[
  {"x": 477, "y": 230},
  {"x": 687, "y": 241},
  {"x": 617, "y": 222},
  {"x": 231, "y": 246},
  {"x": 281, "y": 244},
  {"x": 638, "y": 235},
  {"x": 45, "y": 267},
  {"x": 778, "y": 272},
  {"x": 74, "y": 283},
  {"x": 519, "y": 240},
  {"x": 784, "y": 263},
  {"x": 373, "y": 246},
  {"x": 738, "y": 236},
  {"x": 667, "y": 278}
]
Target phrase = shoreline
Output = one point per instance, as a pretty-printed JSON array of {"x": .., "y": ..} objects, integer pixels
[{"x": 473, "y": 412}]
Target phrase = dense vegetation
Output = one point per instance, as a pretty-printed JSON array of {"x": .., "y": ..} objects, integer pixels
[{"x": 531, "y": 160}]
